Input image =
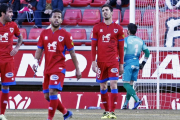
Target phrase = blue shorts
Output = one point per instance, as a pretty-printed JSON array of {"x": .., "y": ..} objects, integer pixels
[{"x": 130, "y": 72}]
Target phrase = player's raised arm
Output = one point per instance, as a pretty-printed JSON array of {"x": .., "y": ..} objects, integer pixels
[{"x": 76, "y": 64}]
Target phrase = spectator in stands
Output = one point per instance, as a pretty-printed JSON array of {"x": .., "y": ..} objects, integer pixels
[
  {"x": 118, "y": 3},
  {"x": 44, "y": 9},
  {"x": 4, "y": 1},
  {"x": 26, "y": 12},
  {"x": 172, "y": 4},
  {"x": 16, "y": 7}
]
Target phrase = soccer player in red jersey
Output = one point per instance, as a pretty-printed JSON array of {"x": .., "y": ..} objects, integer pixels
[
  {"x": 55, "y": 41},
  {"x": 7, "y": 30},
  {"x": 108, "y": 38}
]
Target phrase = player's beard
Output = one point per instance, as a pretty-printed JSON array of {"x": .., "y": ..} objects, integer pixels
[
  {"x": 8, "y": 19},
  {"x": 55, "y": 26}
]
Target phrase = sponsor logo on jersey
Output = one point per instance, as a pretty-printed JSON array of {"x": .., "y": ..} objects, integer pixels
[
  {"x": 115, "y": 30},
  {"x": 46, "y": 37},
  {"x": 60, "y": 38},
  {"x": 123, "y": 36},
  {"x": 52, "y": 47},
  {"x": 106, "y": 38},
  {"x": 54, "y": 77},
  {"x": 114, "y": 70},
  {"x": 11, "y": 30},
  {"x": 101, "y": 30},
  {"x": 9, "y": 75},
  {"x": 134, "y": 67},
  {"x": 5, "y": 36}
]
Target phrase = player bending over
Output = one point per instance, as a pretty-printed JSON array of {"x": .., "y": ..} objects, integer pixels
[
  {"x": 132, "y": 48},
  {"x": 108, "y": 38},
  {"x": 55, "y": 41}
]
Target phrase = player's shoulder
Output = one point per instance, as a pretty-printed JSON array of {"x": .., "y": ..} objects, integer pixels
[
  {"x": 12, "y": 24},
  {"x": 98, "y": 25},
  {"x": 118, "y": 26}
]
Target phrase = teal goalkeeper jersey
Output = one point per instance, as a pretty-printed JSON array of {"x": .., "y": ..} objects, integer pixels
[{"x": 133, "y": 46}]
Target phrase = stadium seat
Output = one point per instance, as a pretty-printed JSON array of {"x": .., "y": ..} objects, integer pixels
[
  {"x": 142, "y": 3},
  {"x": 23, "y": 33},
  {"x": 28, "y": 23},
  {"x": 125, "y": 32},
  {"x": 116, "y": 16},
  {"x": 72, "y": 17},
  {"x": 46, "y": 23},
  {"x": 90, "y": 17},
  {"x": 143, "y": 34},
  {"x": 66, "y": 2},
  {"x": 80, "y": 3},
  {"x": 78, "y": 34},
  {"x": 148, "y": 17},
  {"x": 89, "y": 43},
  {"x": 98, "y": 3},
  {"x": 126, "y": 17},
  {"x": 33, "y": 35},
  {"x": 161, "y": 3}
]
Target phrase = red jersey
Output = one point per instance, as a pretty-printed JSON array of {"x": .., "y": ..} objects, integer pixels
[
  {"x": 109, "y": 40},
  {"x": 7, "y": 32},
  {"x": 55, "y": 45}
]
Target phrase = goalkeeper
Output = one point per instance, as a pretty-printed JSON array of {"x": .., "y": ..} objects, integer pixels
[{"x": 133, "y": 46}]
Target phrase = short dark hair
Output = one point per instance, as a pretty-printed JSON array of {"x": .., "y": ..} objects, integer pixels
[
  {"x": 4, "y": 7},
  {"x": 109, "y": 6},
  {"x": 132, "y": 28},
  {"x": 56, "y": 10}
]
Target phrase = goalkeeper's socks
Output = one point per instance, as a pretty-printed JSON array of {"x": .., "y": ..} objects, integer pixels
[
  {"x": 52, "y": 106},
  {"x": 61, "y": 108},
  {"x": 4, "y": 100},
  {"x": 130, "y": 91},
  {"x": 114, "y": 97},
  {"x": 105, "y": 99}
]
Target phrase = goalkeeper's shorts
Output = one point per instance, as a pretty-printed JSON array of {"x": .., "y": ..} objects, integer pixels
[{"x": 130, "y": 72}]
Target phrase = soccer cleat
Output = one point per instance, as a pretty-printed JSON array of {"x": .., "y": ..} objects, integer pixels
[
  {"x": 2, "y": 117},
  {"x": 105, "y": 115},
  {"x": 124, "y": 107},
  {"x": 112, "y": 115},
  {"x": 136, "y": 104},
  {"x": 68, "y": 115}
]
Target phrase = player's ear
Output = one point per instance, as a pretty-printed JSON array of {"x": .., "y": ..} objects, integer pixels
[{"x": 50, "y": 19}]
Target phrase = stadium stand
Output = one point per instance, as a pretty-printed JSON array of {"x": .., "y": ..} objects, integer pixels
[
  {"x": 80, "y": 3},
  {"x": 90, "y": 17},
  {"x": 148, "y": 17},
  {"x": 72, "y": 17},
  {"x": 78, "y": 34},
  {"x": 97, "y": 3}
]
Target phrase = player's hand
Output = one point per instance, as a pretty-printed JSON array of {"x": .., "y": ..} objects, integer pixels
[
  {"x": 94, "y": 66},
  {"x": 14, "y": 51},
  {"x": 121, "y": 69},
  {"x": 141, "y": 66},
  {"x": 78, "y": 74},
  {"x": 29, "y": 6},
  {"x": 107, "y": 2},
  {"x": 35, "y": 65},
  {"x": 118, "y": 2}
]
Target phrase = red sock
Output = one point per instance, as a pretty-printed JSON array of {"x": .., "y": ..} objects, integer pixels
[
  {"x": 105, "y": 101},
  {"x": 4, "y": 100},
  {"x": 61, "y": 108},
  {"x": 52, "y": 106},
  {"x": 114, "y": 97}
]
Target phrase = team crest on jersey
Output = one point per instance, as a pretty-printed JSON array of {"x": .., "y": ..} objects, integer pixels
[
  {"x": 11, "y": 29},
  {"x": 115, "y": 30},
  {"x": 101, "y": 30},
  {"x": 61, "y": 38}
]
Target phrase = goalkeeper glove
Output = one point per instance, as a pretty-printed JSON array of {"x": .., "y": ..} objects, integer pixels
[{"x": 142, "y": 65}]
